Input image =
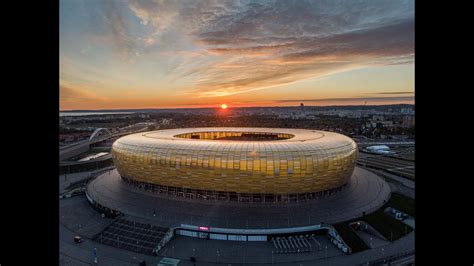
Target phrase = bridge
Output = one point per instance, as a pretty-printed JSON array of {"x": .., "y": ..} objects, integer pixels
[{"x": 99, "y": 135}]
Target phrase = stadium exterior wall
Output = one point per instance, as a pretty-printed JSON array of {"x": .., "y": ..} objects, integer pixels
[{"x": 298, "y": 161}]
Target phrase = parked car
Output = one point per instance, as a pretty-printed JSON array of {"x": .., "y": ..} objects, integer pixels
[{"x": 77, "y": 239}]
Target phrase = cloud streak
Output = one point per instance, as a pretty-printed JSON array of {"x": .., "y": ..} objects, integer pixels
[
  {"x": 395, "y": 92},
  {"x": 279, "y": 42},
  {"x": 206, "y": 50},
  {"x": 72, "y": 97},
  {"x": 118, "y": 32},
  {"x": 396, "y": 99}
]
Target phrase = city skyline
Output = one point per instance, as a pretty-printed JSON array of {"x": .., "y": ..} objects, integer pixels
[{"x": 170, "y": 54}]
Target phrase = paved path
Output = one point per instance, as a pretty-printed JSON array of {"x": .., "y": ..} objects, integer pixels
[
  {"x": 403, "y": 244},
  {"x": 406, "y": 188},
  {"x": 78, "y": 218},
  {"x": 236, "y": 253},
  {"x": 82, "y": 254},
  {"x": 77, "y": 215},
  {"x": 259, "y": 253},
  {"x": 371, "y": 240},
  {"x": 76, "y": 210},
  {"x": 365, "y": 192},
  {"x": 209, "y": 252},
  {"x": 67, "y": 179}
]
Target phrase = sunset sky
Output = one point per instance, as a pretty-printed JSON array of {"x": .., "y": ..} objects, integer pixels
[{"x": 169, "y": 54}]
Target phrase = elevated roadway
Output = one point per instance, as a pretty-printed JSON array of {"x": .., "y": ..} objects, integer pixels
[{"x": 79, "y": 147}]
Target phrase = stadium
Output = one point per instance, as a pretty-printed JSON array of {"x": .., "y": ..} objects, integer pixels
[
  {"x": 237, "y": 164},
  {"x": 244, "y": 184}
]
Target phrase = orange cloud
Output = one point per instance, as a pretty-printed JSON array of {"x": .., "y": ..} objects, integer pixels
[{"x": 78, "y": 98}]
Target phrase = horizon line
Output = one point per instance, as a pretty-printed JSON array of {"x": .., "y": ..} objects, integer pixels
[{"x": 217, "y": 107}]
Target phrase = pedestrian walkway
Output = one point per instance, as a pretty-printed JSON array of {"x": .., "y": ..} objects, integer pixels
[
  {"x": 67, "y": 180},
  {"x": 365, "y": 192}
]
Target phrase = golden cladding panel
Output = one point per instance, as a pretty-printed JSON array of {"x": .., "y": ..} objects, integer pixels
[{"x": 310, "y": 161}]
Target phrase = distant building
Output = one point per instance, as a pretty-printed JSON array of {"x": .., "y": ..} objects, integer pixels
[
  {"x": 376, "y": 118},
  {"x": 386, "y": 123},
  {"x": 407, "y": 111},
  {"x": 165, "y": 121},
  {"x": 381, "y": 149},
  {"x": 302, "y": 111},
  {"x": 408, "y": 121}
]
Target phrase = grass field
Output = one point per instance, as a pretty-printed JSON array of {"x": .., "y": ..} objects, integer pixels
[
  {"x": 350, "y": 237},
  {"x": 402, "y": 203},
  {"x": 390, "y": 228}
]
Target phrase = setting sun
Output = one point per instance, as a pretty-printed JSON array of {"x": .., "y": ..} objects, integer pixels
[{"x": 224, "y": 106}]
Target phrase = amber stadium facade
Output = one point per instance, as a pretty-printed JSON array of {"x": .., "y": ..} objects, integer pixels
[{"x": 237, "y": 164}]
